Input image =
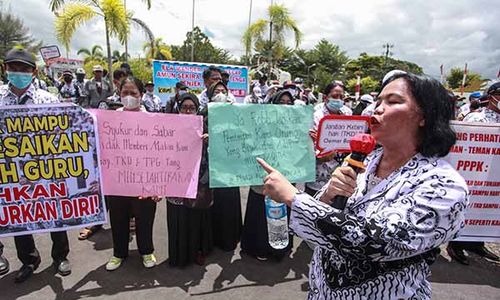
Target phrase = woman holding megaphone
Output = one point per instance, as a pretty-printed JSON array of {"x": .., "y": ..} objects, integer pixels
[{"x": 400, "y": 209}]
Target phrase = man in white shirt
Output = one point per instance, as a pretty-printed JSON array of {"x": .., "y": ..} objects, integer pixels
[
  {"x": 150, "y": 100},
  {"x": 97, "y": 89}
]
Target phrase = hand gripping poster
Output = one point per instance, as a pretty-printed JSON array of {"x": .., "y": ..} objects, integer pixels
[{"x": 49, "y": 169}]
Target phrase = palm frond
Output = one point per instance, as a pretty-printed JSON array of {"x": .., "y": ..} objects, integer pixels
[
  {"x": 254, "y": 32},
  {"x": 84, "y": 51},
  {"x": 291, "y": 24},
  {"x": 97, "y": 50},
  {"x": 145, "y": 28},
  {"x": 55, "y": 5},
  {"x": 116, "y": 18},
  {"x": 72, "y": 16}
]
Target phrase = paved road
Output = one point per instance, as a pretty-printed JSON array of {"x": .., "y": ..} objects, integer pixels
[{"x": 226, "y": 275}]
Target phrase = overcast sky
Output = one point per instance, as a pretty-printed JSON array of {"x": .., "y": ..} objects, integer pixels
[{"x": 429, "y": 33}]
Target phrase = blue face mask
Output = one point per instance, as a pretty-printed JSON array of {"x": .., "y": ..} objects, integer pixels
[
  {"x": 20, "y": 79},
  {"x": 334, "y": 104}
]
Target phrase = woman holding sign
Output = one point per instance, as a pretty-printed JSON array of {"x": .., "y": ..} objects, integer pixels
[
  {"x": 190, "y": 220},
  {"x": 333, "y": 105},
  {"x": 122, "y": 207},
  {"x": 407, "y": 202},
  {"x": 254, "y": 237},
  {"x": 226, "y": 209}
]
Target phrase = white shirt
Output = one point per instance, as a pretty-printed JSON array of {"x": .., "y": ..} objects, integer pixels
[
  {"x": 31, "y": 96},
  {"x": 151, "y": 102},
  {"x": 375, "y": 247},
  {"x": 204, "y": 98},
  {"x": 485, "y": 115}
]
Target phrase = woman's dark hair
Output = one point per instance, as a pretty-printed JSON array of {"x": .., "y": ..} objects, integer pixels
[
  {"x": 188, "y": 96},
  {"x": 275, "y": 99},
  {"x": 138, "y": 83},
  {"x": 331, "y": 86},
  {"x": 211, "y": 89},
  {"x": 436, "y": 136}
]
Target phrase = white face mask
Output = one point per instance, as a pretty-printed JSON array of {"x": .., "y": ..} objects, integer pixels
[
  {"x": 131, "y": 102},
  {"x": 221, "y": 97}
]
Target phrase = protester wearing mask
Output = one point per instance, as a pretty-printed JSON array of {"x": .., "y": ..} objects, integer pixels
[
  {"x": 68, "y": 90},
  {"x": 150, "y": 100},
  {"x": 484, "y": 110},
  {"x": 255, "y": 97},
  {"x": 254, "y": 237},
  {"x": 97, "y": 89},
  {"x": 122, "y": 207},
  {"x": 113, "y": 102},
  {"x": 190, "y": 236},
  {"x": 465, "y": 109},
  {"x": 333, "y": 105},
  {"x": 334, "y": 101},
  {"x": 210, "y": 76},
  {"x": 20, "y": 68},
  {"x": 226, "y": 208},
  {"x": 80, "y": 81}
]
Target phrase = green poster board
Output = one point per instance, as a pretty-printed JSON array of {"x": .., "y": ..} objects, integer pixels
[{"x": 240, "y": 133}]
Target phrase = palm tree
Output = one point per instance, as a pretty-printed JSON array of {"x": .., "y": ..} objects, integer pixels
[
  {"x": 159, "y": 50},
  {"x": 117, "y": 56},
  {"x": 93, "y": 54},
  {"x": 276, "y": 27},
  {"x": 55, "y": 5},
  {"x": 69, "y": 16}
]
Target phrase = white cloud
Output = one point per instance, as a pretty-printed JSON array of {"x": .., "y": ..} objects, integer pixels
[{"x": 429, "y": 33}]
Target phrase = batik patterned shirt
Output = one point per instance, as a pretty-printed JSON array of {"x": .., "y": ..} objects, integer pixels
[
  {"x": 380, "y": 245},
  {"x": 31, "y": 96}
]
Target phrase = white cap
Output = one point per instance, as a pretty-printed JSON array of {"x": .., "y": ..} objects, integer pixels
[
  {"x": 97, "y": 68},
  {"x": 366, "y": 98},
  {"x": 80, "y": 71},
  {"x": 390, "y": 74}
]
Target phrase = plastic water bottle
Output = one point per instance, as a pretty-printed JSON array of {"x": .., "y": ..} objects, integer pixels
[{"x": 277, "y": 224}]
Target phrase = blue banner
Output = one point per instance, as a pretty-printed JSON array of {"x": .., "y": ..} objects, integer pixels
[{"x": 167, "y": 73}]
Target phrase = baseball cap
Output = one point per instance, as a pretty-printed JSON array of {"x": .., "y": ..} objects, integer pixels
[
  {"x": 97, "y": 68},
  {"x": 149, "y": 83},
  {"x": 366, "y": 98},
  {"x": 494, "y": 88},
  {"x": 20, "y": 55},
  {"x": 80, "y": 71},
  {"x": 68, "y": 72}
]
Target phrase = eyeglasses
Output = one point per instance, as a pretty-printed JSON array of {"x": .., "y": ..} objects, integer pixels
[{"x": 188, "y": 108}]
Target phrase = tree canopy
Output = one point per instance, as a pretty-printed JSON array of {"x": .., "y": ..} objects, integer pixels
[{"x": 14, "y": 33}]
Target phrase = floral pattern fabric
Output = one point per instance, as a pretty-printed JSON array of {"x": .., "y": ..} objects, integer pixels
[{"x": 380, "y": 245}]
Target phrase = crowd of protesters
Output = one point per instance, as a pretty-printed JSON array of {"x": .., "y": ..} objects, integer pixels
[{"x": 215, "y": 218}]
